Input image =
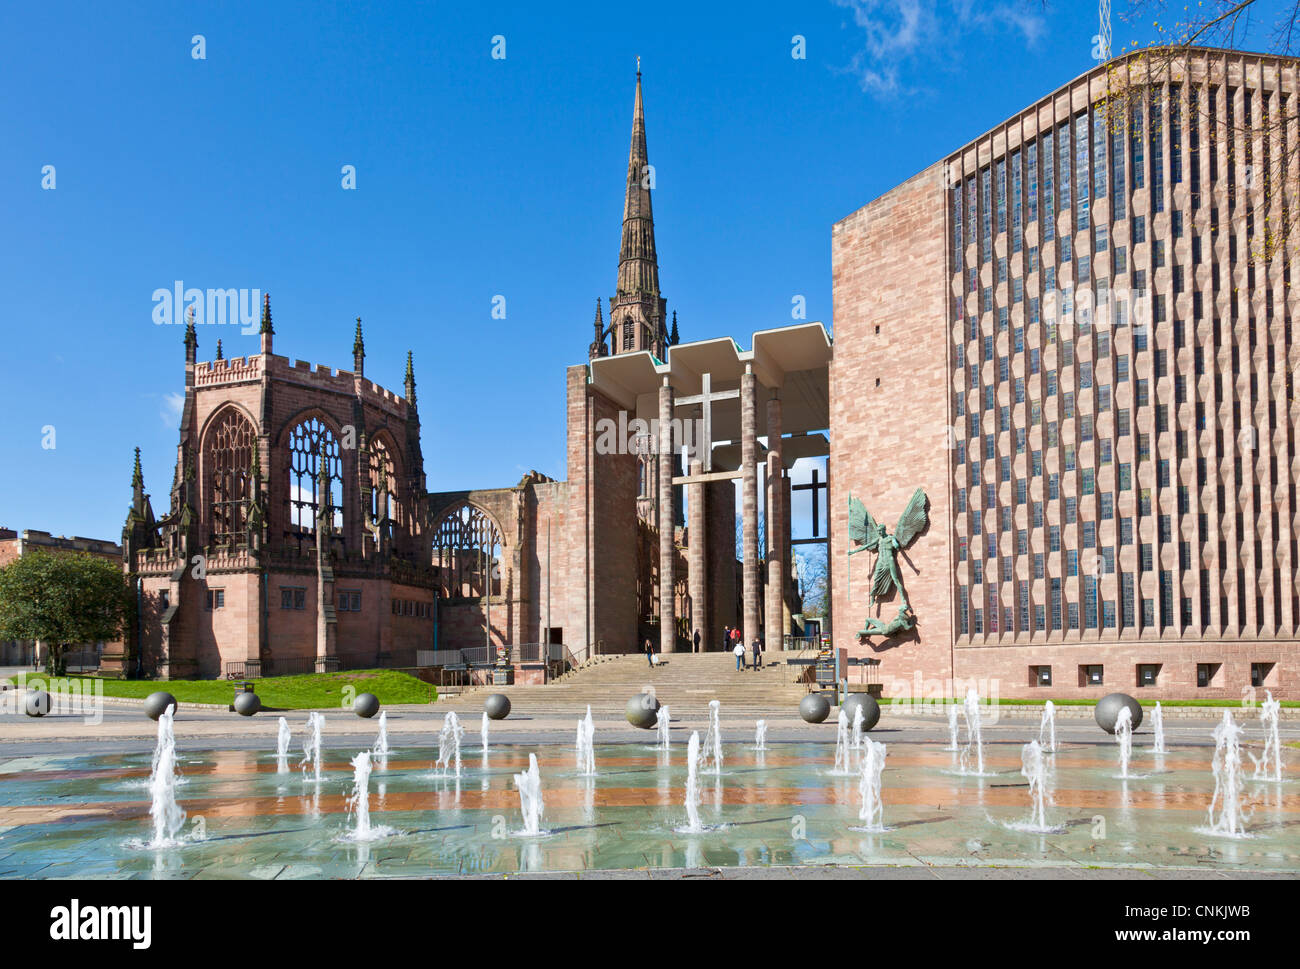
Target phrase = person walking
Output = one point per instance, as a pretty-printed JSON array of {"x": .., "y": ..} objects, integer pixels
[
  {"x": 758, "y": 653},
  {"x": 697, "y": 640},
  {"x": 649, "y": 654},
  {"x": 739, "y": 650}
]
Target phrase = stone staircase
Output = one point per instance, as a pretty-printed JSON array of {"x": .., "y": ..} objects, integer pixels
[{"x": 686, "y": 682}]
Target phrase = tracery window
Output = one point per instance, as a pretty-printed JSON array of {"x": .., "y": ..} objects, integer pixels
[
  {"x": 229, "y": 459},
  {"x": 467, "y": 553},
  {"x": 383, "y": 481},
  {"x": 306, "y": 441}
]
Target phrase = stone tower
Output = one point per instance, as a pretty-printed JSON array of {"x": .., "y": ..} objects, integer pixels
[{"x": 637, "y": 312}]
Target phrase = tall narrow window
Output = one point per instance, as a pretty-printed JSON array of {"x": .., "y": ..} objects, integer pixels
[
  {"x": 307, "y": 442},
  {"x": 228, "y": 457},
  {"x": 383, "y": 482}
]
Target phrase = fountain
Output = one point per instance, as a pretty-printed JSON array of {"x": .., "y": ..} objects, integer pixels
[
  {"x": 873, "y": 766},
  {"x": 1124, "y": 737},
  {"x": 1268, "y": 717},
  {"x": 842, "y": 746},
  {"x": 661, "y": 725},
  {"x": 693, "y": 759},
  {"x": 311, "y": 745},
  {"x": 359, "y": 803},
  {"x": 857, "y": 726},
  {"x": 760, "y": 736},
  {"x": 531, "y": 807},
  {"x": 449, "y": 744},
  {"x": 1227, "y": 816},
  {"x": 974, "y": 741},
  {"x": 1047, "y": 728},
  {"x": 166, "y": 813},
  {"x": 586, "y": 746},
  {"x": 1033, "y": 766},
  {"x": 381, "y": 742},
  {"x": 282, "y": 739},
  {"x": 952, "y": 725},
  {"x": 1158, "y": 726},
  {"x": 713, "y": 740}
]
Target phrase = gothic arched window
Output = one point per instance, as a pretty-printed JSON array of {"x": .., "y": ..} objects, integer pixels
[
  {"x": 306, "y": 441},
  {"x": 383, "y": 481},
  {"x": 228, "y": 457},
  {"x": 466, "y": 550}
]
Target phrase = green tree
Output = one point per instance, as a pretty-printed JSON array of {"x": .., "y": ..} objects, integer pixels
[
  {"x": 62, "y": 599},
  {"x": 814, "y": 581}
]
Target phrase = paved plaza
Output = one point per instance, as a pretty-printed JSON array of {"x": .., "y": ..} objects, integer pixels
[{"x": 76, "y": 802}]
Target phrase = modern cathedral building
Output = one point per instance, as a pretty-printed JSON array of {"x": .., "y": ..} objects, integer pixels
[
  {"x": 1076, "y": 332},
  {"x": 1072, "y": 334}
]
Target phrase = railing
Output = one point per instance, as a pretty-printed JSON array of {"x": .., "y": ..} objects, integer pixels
[
  {"x": 296, "y": 666},
  {"x": 801, "y": 642}
]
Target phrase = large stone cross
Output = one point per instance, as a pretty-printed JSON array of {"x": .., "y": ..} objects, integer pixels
[{"x": 706, "y": 397}]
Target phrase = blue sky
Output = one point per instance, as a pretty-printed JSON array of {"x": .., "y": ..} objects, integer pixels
[{"x": 475, "y": 177}]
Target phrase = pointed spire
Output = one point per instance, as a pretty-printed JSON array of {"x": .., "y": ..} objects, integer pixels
[
  {"x": 219, "y": 356},
  {"x": 267, "y": 331},
  {"x": 410, "y": 379},
  {"x": 637, "y": 311},
  {"x": 597, "y": 348},
  {"x": 359, "y": 352},
  {"x": 137, "y": 476},
  {"x": 191, "y": 338},
  {"x": 674, "y": 337}
]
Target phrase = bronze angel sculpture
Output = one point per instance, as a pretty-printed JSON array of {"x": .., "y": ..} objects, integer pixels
[{"x": 870, "y": 534}]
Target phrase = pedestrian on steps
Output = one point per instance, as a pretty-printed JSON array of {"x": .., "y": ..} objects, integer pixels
[
  {"x": 740, "y": 656},
  {"x": 649, "y": 654},
  {"x": 758, "y": 653}
]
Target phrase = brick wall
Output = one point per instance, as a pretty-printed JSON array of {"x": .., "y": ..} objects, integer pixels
[{"x": 889, "y": 391}]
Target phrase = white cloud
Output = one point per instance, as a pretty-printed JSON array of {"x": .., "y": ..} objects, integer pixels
[
  {"x": 172, "y": 406},
  {"x": 902, "y": 36}
]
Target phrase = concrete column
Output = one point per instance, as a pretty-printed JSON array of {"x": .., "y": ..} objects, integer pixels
[
  {"x": 698, "y": 560},
  {"x": 749, "y": 502},
  {"x": 667, "y": 551},
  {"x": 774, "y": 612}
]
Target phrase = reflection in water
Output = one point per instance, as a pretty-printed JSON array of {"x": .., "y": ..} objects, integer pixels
[{"x": 777, "y": 807}]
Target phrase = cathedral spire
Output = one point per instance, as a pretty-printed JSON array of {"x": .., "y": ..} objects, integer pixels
[
  {"x": 637, "y": 310},
  {"x": 137, "y": 476},
  {"x": 219, "y": 356},
  {"x": 359, "y": 352},
  {"x": 267, "y": 331},
  {"x": 191, "y": 339},
  {"x": 598, "y": 345},
  {"x": 410, "y": 379}
]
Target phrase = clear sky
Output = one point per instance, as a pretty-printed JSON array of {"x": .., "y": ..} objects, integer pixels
[{"x": 475, "y": 178}]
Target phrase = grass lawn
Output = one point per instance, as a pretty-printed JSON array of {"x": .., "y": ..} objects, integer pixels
[{"x": 276, "y": 692}]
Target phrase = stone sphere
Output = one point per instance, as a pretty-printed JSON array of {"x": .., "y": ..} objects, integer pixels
[
  {"x": 497, "y": 706},
  {"x": 37, "y": 703},
  {"x": 365, "y": 705},
  {"x": 1109, "y": 706},
  {"x": 156, "y": 704},
  {"x": 870, "y": 709},
  {"x": 247, "y": 704},
  {"x": 643, "y": 711},
  {"x": 815, "y": 708}
]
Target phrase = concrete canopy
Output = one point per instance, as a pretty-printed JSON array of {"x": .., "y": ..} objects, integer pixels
[{"x": 793, "y": 360}]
